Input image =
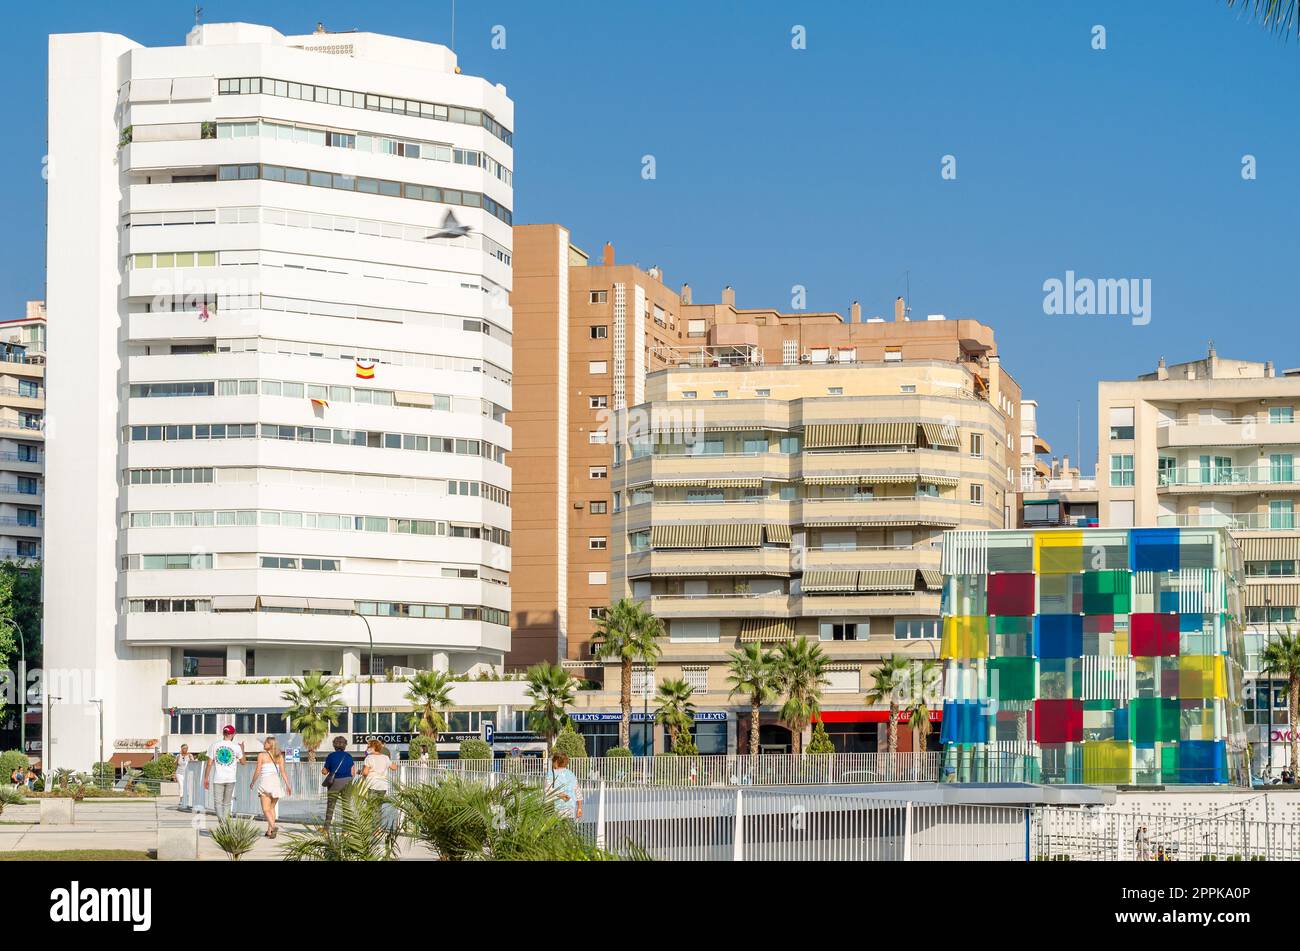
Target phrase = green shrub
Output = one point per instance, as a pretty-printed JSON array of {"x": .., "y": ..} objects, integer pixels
[
  {"x": 571, "y": 743},
  {"x": 103, "y": 774},
  {"x": 475, "y": 749},
  {"x": 10, "y": 796},
  {"x": 618, "y": 751},
  {"x": 11, "y": 760},
  {"x": 820, "y": 744},
  {"x": 235, "y": 837},
  {"x": 685, "y": 746},
  {"x": 420, "y": 745},
  {"x": 162, "y": 768}
]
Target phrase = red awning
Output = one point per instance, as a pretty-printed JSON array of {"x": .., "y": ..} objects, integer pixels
[{"x": 870, "y": 716}]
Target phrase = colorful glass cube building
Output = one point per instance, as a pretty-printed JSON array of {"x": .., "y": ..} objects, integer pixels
[{"x": 1096, "y": 655}]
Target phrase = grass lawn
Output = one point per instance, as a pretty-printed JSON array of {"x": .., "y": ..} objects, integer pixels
[{"x": 75, "y": 855}]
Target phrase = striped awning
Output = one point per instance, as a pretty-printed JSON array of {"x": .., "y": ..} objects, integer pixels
[
  {"x": 832, "y": 480},
  {"x": 1285, "y": 548},
  {"x": 931, "y": 479},
  {"x": 938, "y": 434},
  {"x": 766, "y": 630},
  {"x": 887, "y": 579},
  {"x": 888, "y": 434},
  {"x": 932, "y": 579},
  {"x": 889, "y": 478},
  {"x": 734, "y": 483},
  {"x": 842, "y": 581},
  {"x": 680, "y": 482},
  {"x": 1278, "y": 595},
  {"x": 780, "y": 534},
  {"x": 706, "y": 536},
  {"x": 831, "y": 435}
]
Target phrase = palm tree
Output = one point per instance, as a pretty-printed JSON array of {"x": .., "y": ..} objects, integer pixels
[
  {"x": 1281, "y": 658},
  {"x": 675, "y": 709},
  {"x": 551, "y": 689},
  {"x": 918, "y": 710},
  {"x": 357, "y": 833},
  {"x": 800, "y": 676},
  {"x": 888, "y": 682},
  {"x": 314, "y": 708},
  {"x": 429, "y": 692},
  {"x": 1277, "y": 16},
  {"x": 750, "y": 672},
  {"x": 629, "y": 633}
]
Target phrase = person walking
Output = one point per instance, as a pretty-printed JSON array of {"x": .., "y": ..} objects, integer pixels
[
  {"x": 183, "y": 760},
  {"x": 270, "y": 782},
  {"x": 224, "y": 757},
  {"x": 375, "y": 769},
  {"x": 562, "y": 788},
  {"x": 337, "y": 771}
]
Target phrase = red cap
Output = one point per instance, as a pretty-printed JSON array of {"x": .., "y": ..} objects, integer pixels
[{"x": 227, "y": 730}]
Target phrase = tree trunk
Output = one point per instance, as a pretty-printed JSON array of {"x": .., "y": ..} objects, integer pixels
[
  {"x": 753, "y": 729},
  {"x": 796, "y": 739},
  {"x": 625, "y": 701},
  {"x": 893, "y": 728}
]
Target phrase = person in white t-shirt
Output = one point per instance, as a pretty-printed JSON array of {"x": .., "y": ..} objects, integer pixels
[
  {"x": 224, "y": 758},
  {"x": 375, "y": 769}
]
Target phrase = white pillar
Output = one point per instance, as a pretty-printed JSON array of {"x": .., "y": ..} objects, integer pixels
[
  {"x": 600, "y": 818},
  {"x": 738, "y": 837},
  {"x": 352, "y": 662},
  {"x": 236, "y": 662},
  {"x": 907, "y": 832}
]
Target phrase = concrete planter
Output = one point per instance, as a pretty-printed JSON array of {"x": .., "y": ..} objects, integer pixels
[
  {"x": 56, "y": 812},
  {"x": 178, "y": 843}
]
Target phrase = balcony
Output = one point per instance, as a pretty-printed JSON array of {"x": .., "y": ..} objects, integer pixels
[
  {"x": 937, "y": 462},
  {"x": 665, "y": 468},
  {"x": 702, "y": 562},
  {"x": 921, "y": 603},
  {"x": 882, "y": 511},
  {"x": 758, "y": 511},
  {"x": 670, "y": 606},
  {"x": 1242, "y": 431},
  {"x": 888, "y": 556},
  {"x": 1237, "y": 522},
  {"x": 1239, "y": 479}
]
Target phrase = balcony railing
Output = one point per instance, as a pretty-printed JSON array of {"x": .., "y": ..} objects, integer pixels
[
  {"x": 1229, "y": 475},
  {"x": 1216, "y": 421},
  {"x": 1246, "y": 521}
]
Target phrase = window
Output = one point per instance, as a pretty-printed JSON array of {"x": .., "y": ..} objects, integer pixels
[
  {"x": 595, "y": 614},
  {"x": 695, "y": 629},
  {"x": 840, "y": 630},
  {"x": 893, "y": 354},
  {"x": 1280, "y": 414},
  {"x": 834, "y": 391},
  {"x": 1121, "y": 514},
  {"x": 907, "y": 388},
  {"x": 597, "y": 472},
  {"x": 789, "y": 445},
  {"x": 598, "y": 437},
  {"x": 696, "y": 678},
  {"x": 597, "y": 577},
  {"x": 598, "y": 507},
  {"x": 916, "y": 628},
  {"x": 599, "y": 332},
  {"x": 763, "y": 393},
  {"x": 597, "y": 367},
  {"x": 1121, "y": 469},
  {"x": 976, "y": 493},
  {"x": 639, "y": 541},
  {"x": 1280, "y": 467},
  {"x": 1121, "y": 423},
  {"x": 719, "y": 394},
  {"x": 977, "y": 445},
  {"x": 598, "y": 402},
  {"x": 696, "y": 328},
  {"x": 688, "y": 394},
  {"x": 597, "y": 543},
  {"x": 598, "y": 297},
  {"x": 1281, "y": 514}
]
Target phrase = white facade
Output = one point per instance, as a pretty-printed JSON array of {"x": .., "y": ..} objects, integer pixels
[{"x": 238, "y": 233}]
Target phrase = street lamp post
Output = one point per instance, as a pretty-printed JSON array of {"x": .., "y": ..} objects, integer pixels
[
  {"x": 22, "y": 684},
  {"x": 100, "y": 704},
  {"x": 370, "y": 667},
  {"x": 47, "y": 747}
]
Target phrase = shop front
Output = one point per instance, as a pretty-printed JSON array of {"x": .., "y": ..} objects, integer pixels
[{"x": 600, "y": 730}]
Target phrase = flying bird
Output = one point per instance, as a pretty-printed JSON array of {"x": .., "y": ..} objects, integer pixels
[{"x": 451, "y": 228}]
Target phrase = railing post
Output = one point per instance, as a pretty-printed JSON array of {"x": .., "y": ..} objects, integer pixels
[
  {"x": 738, "y": 836},
  {"x": 907, "y": 831},
  {"x": 600, "y": 817}
]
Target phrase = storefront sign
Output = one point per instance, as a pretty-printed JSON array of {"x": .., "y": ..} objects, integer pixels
[
  {"x": 499, "y": 737},
  {"x": 701, "y": 716},
  {"x": 136, "y": 745}
]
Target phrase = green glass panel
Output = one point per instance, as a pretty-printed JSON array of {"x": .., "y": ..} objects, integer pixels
[{"x": 1011, "y": 678}]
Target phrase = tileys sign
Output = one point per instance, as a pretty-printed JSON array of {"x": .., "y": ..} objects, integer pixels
[{"x": 701, "y": 716}]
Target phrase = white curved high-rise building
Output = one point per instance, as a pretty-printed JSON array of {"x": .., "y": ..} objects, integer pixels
[{"x": 282, "y": 374}]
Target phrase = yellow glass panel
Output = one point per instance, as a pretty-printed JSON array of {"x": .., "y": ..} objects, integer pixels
[
  {"x": 1058, "y": 552},
  {"x": 1202, "y": 678},
  {"x": 207, "y": 258},
  {"x": 1107, "y": 762},
  {"x": 143, "y": 261},
  {"x": 965, "y": 637}
]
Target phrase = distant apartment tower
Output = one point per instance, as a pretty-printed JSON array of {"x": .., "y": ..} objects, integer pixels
[
  {"x": 22, "y": 433},
  {"x": 281, "y": 424},
  {"x": 763, "y": 501},
  {"x": 1051, "y": 493},
  {"x": 1214, "y": 443}
]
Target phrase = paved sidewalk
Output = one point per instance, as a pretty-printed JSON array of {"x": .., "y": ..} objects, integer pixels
[{"x": 133, "y": 824}]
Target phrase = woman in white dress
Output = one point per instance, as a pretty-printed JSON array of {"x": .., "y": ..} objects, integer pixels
[{"x": 270, "y": 782}]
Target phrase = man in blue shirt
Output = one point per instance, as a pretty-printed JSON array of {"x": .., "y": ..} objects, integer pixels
[
  {"x": 338, "y": 773},
  {"x": 562, "y": 787}
]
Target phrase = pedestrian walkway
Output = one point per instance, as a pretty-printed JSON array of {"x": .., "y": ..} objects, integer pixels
[{"x": 132, "y": 824}]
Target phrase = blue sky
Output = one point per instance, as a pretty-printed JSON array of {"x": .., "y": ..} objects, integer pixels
[{"x": 821, "y": 167}]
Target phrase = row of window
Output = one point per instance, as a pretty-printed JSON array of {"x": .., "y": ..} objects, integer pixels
[
  {"x": 314, "y": 434},
  {"x": 401, "y": 358},
  {"x": 371, "y": 186},
  {"x": 320, "y": 521},
  {"x": 256, "y": 85},
  {"x": 363, "y": 142},
  {"x": 1270, "y": 569},
  {"x": 1122, "y": 418},
  {"x": 453, "y": 612},
  {"x": 313, "y": 391},
  {"x": 313, "y": 479}
]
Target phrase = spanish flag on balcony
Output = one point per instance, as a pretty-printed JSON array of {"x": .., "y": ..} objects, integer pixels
[
  {"x": 365, "y": 369},
  {"x": 320, "y": 404}
]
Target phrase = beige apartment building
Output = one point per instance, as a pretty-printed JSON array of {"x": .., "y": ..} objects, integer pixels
[
  {"x": 1213, "y": 442},
  {"x": 22, "y": 433},
  {"x": 761, "y": 502}
]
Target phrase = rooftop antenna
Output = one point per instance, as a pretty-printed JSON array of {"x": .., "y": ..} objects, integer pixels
[
  {"x": 453, "y": 26},
  {"x": 907, "y": 294},
  {"x": 198, "y": 15}
]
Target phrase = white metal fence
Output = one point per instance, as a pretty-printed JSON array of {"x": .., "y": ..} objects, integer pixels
[
  {"x": 1075, "y": 834},
  {"x": 767, "y": 769}
]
